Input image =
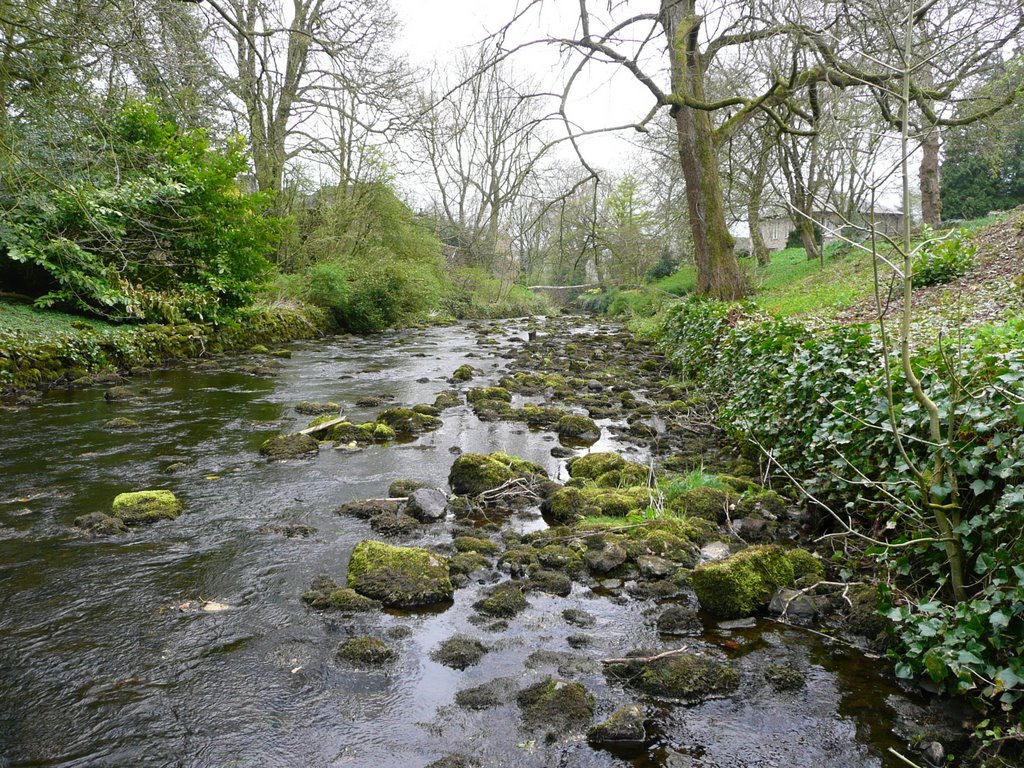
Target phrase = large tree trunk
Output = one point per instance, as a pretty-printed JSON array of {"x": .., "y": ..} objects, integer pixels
[
  {"x": 758, "y": 248},
  {"x": 718, "y": 272},
  {"x": 931, "y": 203}
]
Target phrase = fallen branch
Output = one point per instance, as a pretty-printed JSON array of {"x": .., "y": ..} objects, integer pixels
[
  {"x": 646, "y": 659},
  {"x": 322, "y": 427}
]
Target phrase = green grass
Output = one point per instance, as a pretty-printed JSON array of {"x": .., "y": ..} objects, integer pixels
[
  {"x": 22, "y": 317},
  {"x": 794, "y": 285},
  {"x": 680, "y": 283}
]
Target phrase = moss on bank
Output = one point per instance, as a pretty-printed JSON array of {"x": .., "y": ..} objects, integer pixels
[{"x": 71, "y": 352}]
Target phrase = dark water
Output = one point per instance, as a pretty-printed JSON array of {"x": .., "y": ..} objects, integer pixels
[{"x": 100, "y": 667}]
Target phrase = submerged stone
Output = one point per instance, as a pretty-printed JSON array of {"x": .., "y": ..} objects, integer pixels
[
  {"x": 491, "y": 694},
  {"x": 677, "y": 620},
  {"x": 325, "y": 594},
  {"x": 146, "y": 507},
  {"x": 99, "y": 524},
  {"x": 289, "y": 446},
  {"x": 556, "y": 705},
  {"x": 459, "y": 652},
  {"x": 784, "y": 678},
  {"x": 365, "y": 651},
  {"x": 679, "y": 676},
  {"x": 399, "y": 576},
  {"x": 624, "y": 728},
  {"x": 578, "y": 617}
]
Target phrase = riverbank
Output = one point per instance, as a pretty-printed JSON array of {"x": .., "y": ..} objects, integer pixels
[{"x": 41, "y": 348}]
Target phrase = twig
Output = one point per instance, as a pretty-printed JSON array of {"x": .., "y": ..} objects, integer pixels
[{"x": 646, "y": 659}]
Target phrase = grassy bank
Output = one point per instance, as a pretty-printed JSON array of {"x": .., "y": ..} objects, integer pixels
[{"x": 45, "y": 347}]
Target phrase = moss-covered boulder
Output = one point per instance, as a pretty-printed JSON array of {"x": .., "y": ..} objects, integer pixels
[
  {"x": 678, "y": 620},
  {"x": 565, "y": 505},
  {"x": 465, "y": 563},
  {"x": 475, "y": 473},
  {"x": 325, "y": 594},
  {"x": 551, "y": 582},
  {"x": 448, "y": 398},
  {"x": 593, "y": 465},
  {"x": 579, "y": 429},
  {"x": 606, "y": 558},
  {"x": 365, "y": 509},
  {"x": 405, "y": 421},
  {"x": 365, "y": 652},
  {"x": 399, "y": 576},
  {"x": 140, "y": 507},
  {"x": 557, "y": 706},
  {"x": 459, "y": 652},
  {"x": 743, "y": 583},
  {"x": 540, "y": 416},
  {"x": 684, "y": 676},
  {"x": 807, "y": 569},
  {"x": 706, "y": 502},
  {"x": 289, "y": 447},
  {"x": 503, "y": 601},
  {"x": 491, "y": 694},
  {"x": 761, "y": 503},
  {"x": 401, "y": 488}
]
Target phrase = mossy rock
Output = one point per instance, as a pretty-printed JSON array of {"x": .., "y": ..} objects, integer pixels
[
  {"x": 459, "y": 652},
  {"x": 474, "y": 473},
  {"x": 465, "y": 563},
  {"x": 624, "y": 727},
  {"x": 559, "y": 557},
  {"x": 865, "y": 617},
  {"x": 582, "y": 429},
  {"x": 491, "y": 694},
  {"x": 761, "y": 503},
  {"x": 455, "y": 761},
  {"x": 120, "y": 423},
  {"x": 426, "y": 410},
  {"x": 365, "y": 652},
  {"x": 552, "y": 582},
  {"x": 743, "y": 583},
  {"x": 493, "y": 410},
  {"x": 141, "y": 507},
  {"x": 289, "y": 447},
  {"x": 449, "y": 398},
  {"x": 475, "y": 544},
  {"x": 807, "y": 569},
  {"x": 593, "y": 465},
  {"x": 705, "y": 502},
  {"x": 503, "y": 601},
  {"x": 606, "y": 558},
  {"x": 463, "y": 373},
  {"x": 488, "y": 393},
  {"x": 629, "y": 475},
  {"x": 679, "y": 676},
  {"x": 399, "y": 576},
  {"x": 677, "y": 620},
  {"x": 665, "y": 544},
  {"x": 540, "y": 415},
  {"x": 324, "y": 594},
  {"x": 99, "y": 524},
  {"x": 565, "y": 505},
  {"x": 556, "y": 705},
  {"x": 366, "y": 509},
  {"x": 311, "y": 408},
  {"x": 401, "y": 488},
  {"x": 405, "y": 421}
]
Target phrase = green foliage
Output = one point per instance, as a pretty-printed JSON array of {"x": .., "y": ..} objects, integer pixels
[
  {"x": 475, "y": 294},
  {"x": 943, "y": 260},
  {"x": 816, "y": 401},
  {"x": 983, "y": 169},
  {"x": 370, "y": 263},
  {"x": 146, "y": 223}
]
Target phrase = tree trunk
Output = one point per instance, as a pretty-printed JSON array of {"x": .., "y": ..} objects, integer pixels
[
  {"x": 718, "y": 272},
  {"x": 758, "y": 248},
  {"x": 931, "y": 203}
]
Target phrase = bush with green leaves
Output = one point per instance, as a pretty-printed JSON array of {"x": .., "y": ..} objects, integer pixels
[
  {"x": 942, "y": 260},
  {"x": 142, "y": 222},
  {"x": 816, "y": 399}
]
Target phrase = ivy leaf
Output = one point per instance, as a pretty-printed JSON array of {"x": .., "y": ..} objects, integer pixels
[{"x": 999, "y": 620}]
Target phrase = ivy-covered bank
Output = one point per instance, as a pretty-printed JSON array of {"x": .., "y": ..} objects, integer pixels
[
  {"x": 816, "y": 403},
  {"x": 72, "y": 355}
]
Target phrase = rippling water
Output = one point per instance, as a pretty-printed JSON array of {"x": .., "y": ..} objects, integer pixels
[{"x": 100, "y": 667}]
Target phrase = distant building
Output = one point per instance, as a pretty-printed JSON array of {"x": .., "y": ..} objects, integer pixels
[{"x": 775, "y": 230}]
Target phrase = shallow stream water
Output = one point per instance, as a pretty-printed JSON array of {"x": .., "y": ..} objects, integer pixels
[{"x": 99, "y": 665}]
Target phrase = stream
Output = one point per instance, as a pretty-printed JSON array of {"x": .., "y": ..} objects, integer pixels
[{"x": 108, "y": 659}]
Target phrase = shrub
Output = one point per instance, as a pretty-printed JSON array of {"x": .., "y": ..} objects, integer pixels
[{"x": 943, "y": 260}]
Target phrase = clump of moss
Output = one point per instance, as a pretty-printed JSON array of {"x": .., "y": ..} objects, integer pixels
[
  {"x": 561, "y": 558},
  {"x": 807, "y": 569},
  {"x": 705, "y": 502},
  {"x": 761, "y": 503},
  {"x": 459, "y": 652},
  {"x": 399, "y": 576},
  {"x": 449, "y": 398},
  {"x": 679, "y": 676},
  {"x": 566, "y": 505},
  {"x": 503, "y": 601},
  {"x": 743, "y": 583},
  {"x": 556, "y": 705},
  {"x": 401, "y": 488},
  {"x": 464, "y": 563},
  {"x": 625, "y": 726},
  {"x": 552, "y": 582},
  {"x": 310, "y": 408},
  {"x": 140, "y": 507},
  {"x": 540, "y": 415},
  {"x": 593, "y": 465},
  {"x": 365, "y": 651},
  {"x": 99, "y": 524},
  {"x": 289, "y": 447}
]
